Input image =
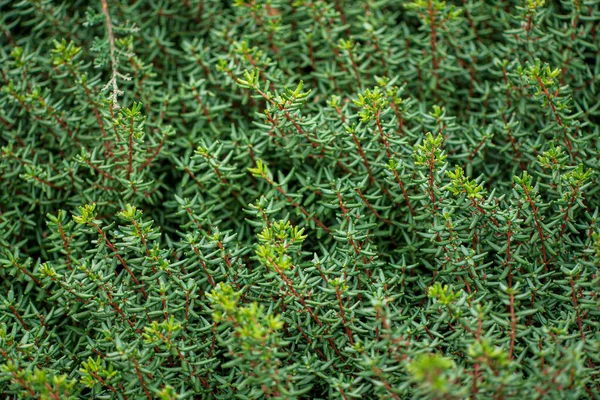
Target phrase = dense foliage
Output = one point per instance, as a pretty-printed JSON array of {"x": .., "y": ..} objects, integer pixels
[{"x": 299, "y": 199}]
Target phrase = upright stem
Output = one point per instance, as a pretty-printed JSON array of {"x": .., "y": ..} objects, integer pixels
[{"x": 113, "y": 60}]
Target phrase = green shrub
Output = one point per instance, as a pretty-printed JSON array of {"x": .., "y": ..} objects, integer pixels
[{"x": 299, "y": 199}]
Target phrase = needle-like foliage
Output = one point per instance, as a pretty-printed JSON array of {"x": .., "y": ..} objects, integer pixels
[{"x": 299, "y": 199}]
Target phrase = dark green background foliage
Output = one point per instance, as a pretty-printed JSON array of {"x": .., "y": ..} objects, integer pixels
[{"x": 299, "y": 199}]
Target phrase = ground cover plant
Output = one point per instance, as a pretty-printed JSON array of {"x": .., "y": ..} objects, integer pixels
[{"x": 299, "y": 199}]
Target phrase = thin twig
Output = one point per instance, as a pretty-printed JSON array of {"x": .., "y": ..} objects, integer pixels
[{"x": 113, "y": 60}]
